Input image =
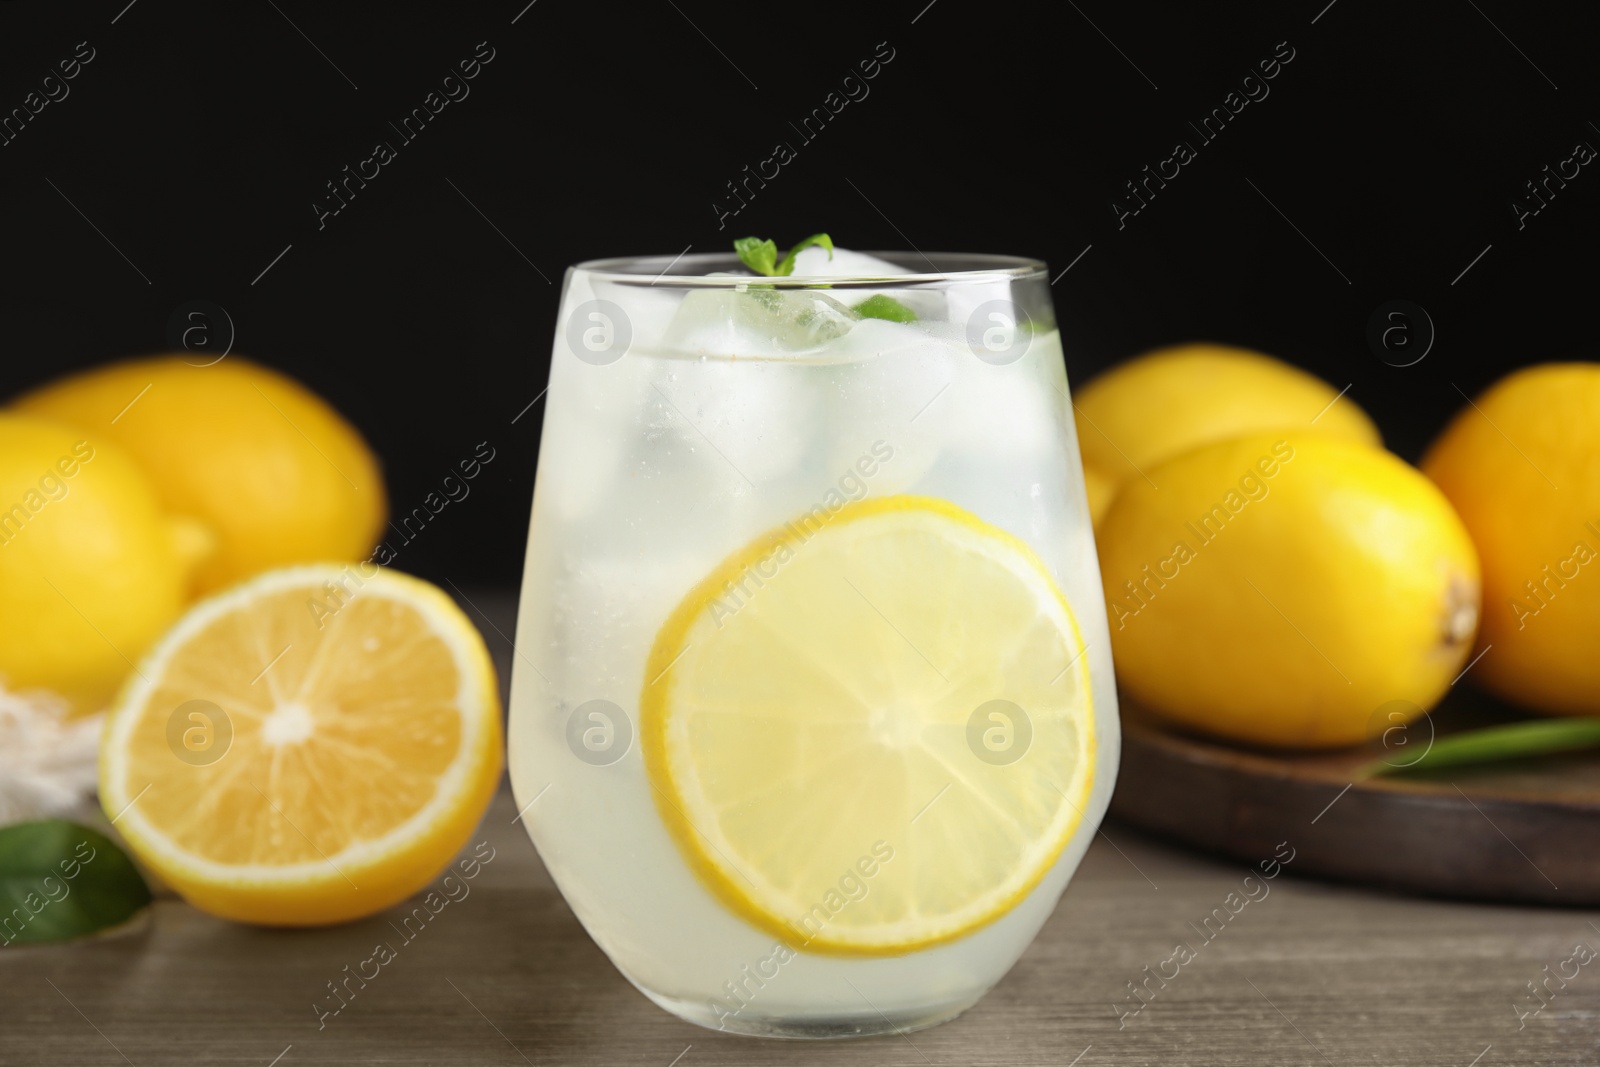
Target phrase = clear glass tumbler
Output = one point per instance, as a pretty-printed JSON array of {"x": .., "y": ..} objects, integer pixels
[{"x": 813, "y": 714}]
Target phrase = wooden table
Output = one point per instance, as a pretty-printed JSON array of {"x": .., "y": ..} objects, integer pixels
[{"x": 1310, "y": 973}]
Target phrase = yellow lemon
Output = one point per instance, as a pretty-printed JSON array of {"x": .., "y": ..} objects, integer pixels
[
  {"x": 850, "y": 677},
  {"x": 90, "y": 571},
  {"x": 1099, "y": 488},
  {"x": 1522, "y": 466},
  {"x": 1279, "y": 590},
  {"x": 1165, "y": 402},
  {"x": 274, "y": 471},
  {"x": 309, "y": 747}
]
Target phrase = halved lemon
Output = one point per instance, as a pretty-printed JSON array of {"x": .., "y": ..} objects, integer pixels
[
  {"x": 870, "y": 731},
  {"x": 309, "y": 747}
]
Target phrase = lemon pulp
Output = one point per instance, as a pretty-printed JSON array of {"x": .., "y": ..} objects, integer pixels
[
  {"x": 309, "y": 747},
  {"x": 871, "y": 731}
]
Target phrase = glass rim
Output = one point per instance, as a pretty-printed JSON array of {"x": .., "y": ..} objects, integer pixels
[{"x": 966, "y": 267}]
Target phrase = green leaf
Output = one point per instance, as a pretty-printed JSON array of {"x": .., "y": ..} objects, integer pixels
[
  {"x": 786, "y": 266},
  {"x": 60, "y": 880},
  {"x": 760, "y": 256},
  {"x": 885, "y": 307},
  {"x": 1496, "y": 743}
]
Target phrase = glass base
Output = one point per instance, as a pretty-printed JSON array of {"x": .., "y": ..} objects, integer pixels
[{"x": 794, "y": 1026}]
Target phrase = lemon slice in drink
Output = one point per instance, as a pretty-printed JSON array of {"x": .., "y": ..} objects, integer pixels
[
  {"x": 871, "y": 731},
  {"x": 309, "y": 747}
]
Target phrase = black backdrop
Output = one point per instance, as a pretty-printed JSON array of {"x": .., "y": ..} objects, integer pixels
[{"x": 1382, "y": 162}]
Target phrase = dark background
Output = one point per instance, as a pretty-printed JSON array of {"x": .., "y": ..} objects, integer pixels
[{"x": 1384, "y": 160}]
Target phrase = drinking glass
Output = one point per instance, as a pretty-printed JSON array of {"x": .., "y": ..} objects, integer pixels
[{"x": 813, "y": 716}]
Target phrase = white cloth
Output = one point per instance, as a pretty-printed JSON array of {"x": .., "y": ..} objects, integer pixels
[{"x": 47, "y": 761}]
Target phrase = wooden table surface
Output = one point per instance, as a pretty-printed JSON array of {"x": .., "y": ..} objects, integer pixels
[{"x": 1310, "y": 973}]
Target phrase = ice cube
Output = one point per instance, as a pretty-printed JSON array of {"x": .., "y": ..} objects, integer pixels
[
  {"x": 1004, "y": 413},
  {"x": 873, "y": 337},
  {"x": 814, "y": 262},
  {"x": 897, "y": 399},
  {"x": 926, "y": 304},
  {"x": 759, "y": 417},
  {"x": 757, "y": 322},
  {"x": 586, "y": 432},
  {"x": 649, "y": 312},
  {"x": 982, "y": 299}
]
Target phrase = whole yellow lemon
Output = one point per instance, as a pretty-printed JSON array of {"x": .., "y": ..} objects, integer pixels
[
  {"x": 90, "y": 570},
  {"x": 1098, "y": 488},
  {"x": 1279, "y": 589},
  {"x": 1522, "y": 466},
  {"x": 1166, "y": 402},
  {"x": 277, "y": 474}
]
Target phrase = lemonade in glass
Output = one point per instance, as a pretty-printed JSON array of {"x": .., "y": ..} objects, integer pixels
[{"x": 812, "y": 716}]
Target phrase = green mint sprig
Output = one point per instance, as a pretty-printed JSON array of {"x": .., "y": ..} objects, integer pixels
[{"x": 762, "y": 256}]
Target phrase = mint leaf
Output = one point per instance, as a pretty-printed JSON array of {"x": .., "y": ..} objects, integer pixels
[
  {"x": 760, "y": 256},
  {"x": 885, "y": 307},
  {"x": 786, "y": 266},
  {"x": 60, "y": 880}
]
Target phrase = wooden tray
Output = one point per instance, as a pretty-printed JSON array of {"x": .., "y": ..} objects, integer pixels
[{"x": 1527, "y": 830}]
